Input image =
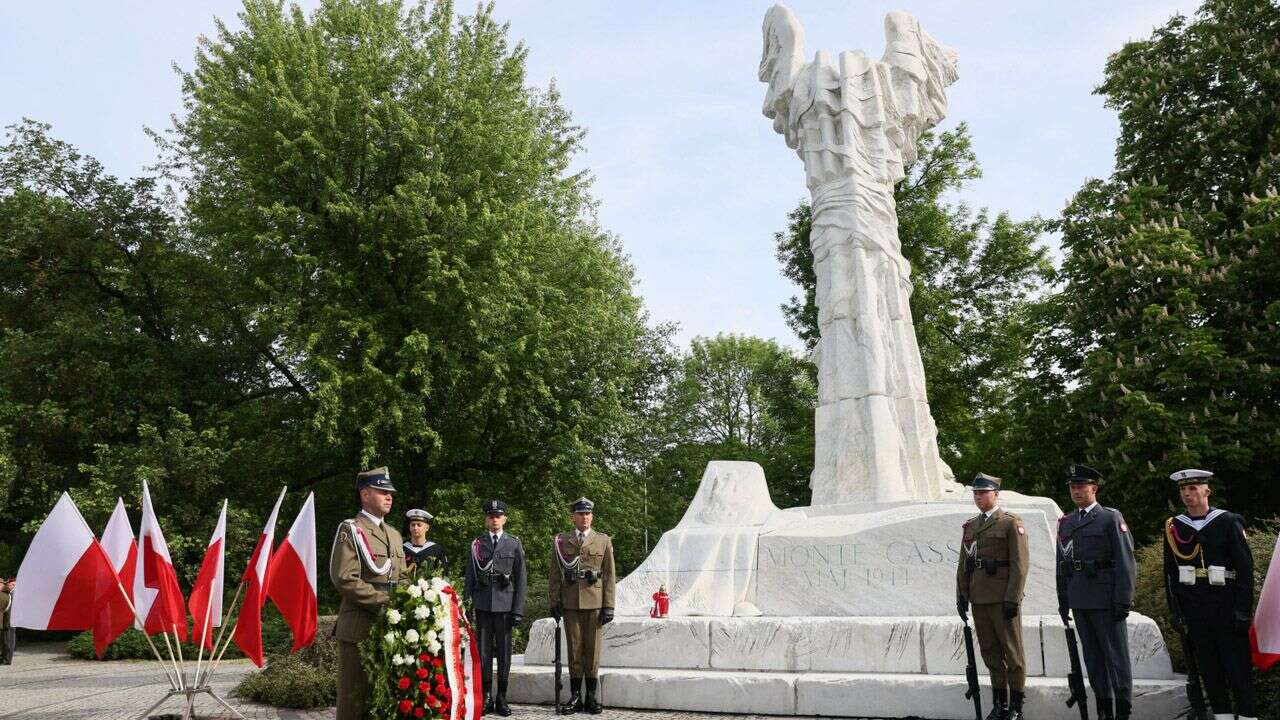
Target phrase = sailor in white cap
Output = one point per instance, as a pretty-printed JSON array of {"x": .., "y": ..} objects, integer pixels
[{"x": 1208, "y": 573}]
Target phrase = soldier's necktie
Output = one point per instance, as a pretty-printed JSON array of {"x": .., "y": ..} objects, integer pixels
[{"x": 495, "y": 540}]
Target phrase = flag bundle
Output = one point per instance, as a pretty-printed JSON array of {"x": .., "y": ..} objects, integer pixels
[{"x": 70, "y": 580}]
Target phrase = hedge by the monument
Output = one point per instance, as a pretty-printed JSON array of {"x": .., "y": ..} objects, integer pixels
[
  {"x": 1150, "y": 601},
  {"x": 306, "y": 679}
]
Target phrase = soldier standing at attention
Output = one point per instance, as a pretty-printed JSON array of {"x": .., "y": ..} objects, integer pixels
[
  {"x": 581, "y": 589},
  {"x": 495, "y": 584},
  {"x": 366, "y": 560},
  {"x": 1096, "y": 577},
  {"x": 1208, "y": 575},
  {"x": 992, "y": 576},
  {"x": 419, "y": 552}
]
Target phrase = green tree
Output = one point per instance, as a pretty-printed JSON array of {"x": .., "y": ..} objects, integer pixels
[
  {"x": 392, "y": 209},
  {"x": 111, "y": 368},
  {"x": 974, "y": 278},
  {"x": 1160, "y": 350},
  {"x": 733, "y": 397}
]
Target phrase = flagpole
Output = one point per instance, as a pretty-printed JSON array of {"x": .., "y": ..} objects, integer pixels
[
  {"x": 178, "y": 644},
  {"x": 138, "y": 618},
  {"x": 204, "y": 632},
  {"x": 172, "y": 657},
  {"x": 213, "y": 665}
]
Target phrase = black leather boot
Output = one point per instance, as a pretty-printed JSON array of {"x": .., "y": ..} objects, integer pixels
[
  {"x": 575, "y": 697},
  {"x": 1123, "y": 709},
  {"x": 593, "y": 704},
  {"x": 500, "y": 705},
  {"x": 999, "y": 705},
  {"x": 1015, "y": 706},
  {"x": 488, "y": 705},
  {"x": 1104, "y": 709}
]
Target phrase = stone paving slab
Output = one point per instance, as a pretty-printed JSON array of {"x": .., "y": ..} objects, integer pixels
[{"x": 46, "y": 684}]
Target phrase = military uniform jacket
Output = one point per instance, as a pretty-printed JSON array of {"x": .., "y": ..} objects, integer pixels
[
  {"x": 998, "y": 545},
  {"x": 354, "y": 571},
  {"x": 1220, "y": 540},
  {"x": 495, "y": 576},
  {"x": 594, "y": 554},
  {"x": 1096, "y": 567},
  {"x": 431, "y": 552},
  {"x": 6, "y": 604}
]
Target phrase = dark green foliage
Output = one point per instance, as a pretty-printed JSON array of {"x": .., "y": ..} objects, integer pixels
[
  {"x": 1149, "y": 599},
  {"x": 974, "y": 278},
  {"x": 1161, "y": 349},
  {"x": 306, "y": 679}
]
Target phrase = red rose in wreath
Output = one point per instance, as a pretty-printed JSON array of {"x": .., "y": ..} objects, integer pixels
[
  {"x": 404, "y": 707},
  {"x": 403, "y": 684}
]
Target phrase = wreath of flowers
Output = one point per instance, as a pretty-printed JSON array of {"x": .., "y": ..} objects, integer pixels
[{"x": 405, "y": 653}]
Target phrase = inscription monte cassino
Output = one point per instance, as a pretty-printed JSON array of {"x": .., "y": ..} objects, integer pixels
[{"x": 838, "y": 566}]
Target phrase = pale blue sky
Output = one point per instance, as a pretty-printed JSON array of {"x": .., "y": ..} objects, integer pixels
[{"x": 689, "y": 175}]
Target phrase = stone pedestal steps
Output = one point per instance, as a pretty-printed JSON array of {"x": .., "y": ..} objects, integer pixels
[{"x": 876, "y": 695}]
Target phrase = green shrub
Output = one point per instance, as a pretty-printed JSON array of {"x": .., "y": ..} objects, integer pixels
[
  {"x": 1149, "y": 600},
  {"x": 132, "y": 645},
  {"x": 305, "y": 680}
]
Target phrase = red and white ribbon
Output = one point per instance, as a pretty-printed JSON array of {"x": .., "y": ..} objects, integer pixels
[{"x": 461, "y": 663}]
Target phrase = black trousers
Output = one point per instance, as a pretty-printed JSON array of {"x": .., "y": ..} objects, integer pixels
[
  {"x": 1105, "y": 646},
  {"x": 495, "y": 641},
  {"x": 1224, "y": 656},
  {"x": 8, "y": 639}
]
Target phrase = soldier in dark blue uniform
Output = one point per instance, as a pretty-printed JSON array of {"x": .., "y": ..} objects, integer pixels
[
  {"x": 1096, "y": 577},
  {"x": 495, "y": 584},
  {"x": 1208, "y": 575}
]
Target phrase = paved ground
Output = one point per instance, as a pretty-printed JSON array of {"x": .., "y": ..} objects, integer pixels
[{"x": 45, "y": 684}]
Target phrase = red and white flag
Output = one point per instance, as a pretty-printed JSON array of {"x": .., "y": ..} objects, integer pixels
[
  {"x": 66, "y": 581},
  {"x": 248, "y": 633},
  {"x": 155, "y": 583},
  {"x": 117, "y": 540},
  {"x": 206, "y": 594},
  {"x": 292, "y": 577},
  {"x": 1265, "y": 633}
]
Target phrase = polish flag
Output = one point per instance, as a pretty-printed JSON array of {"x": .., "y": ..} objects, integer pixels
[
  {"x": 66, "y": 580},
  {"x": 292, "y": 577},
  {"x": 155, "y": 583},
  {"x": 206, "y": 594},
  {"x": 248, "y": 632},
  {"x": 1265, "y": 633},
  {"x": 118, "y": 542}
]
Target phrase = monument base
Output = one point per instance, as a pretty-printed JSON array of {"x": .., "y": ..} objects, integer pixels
[{"x": 864, "y": 695}]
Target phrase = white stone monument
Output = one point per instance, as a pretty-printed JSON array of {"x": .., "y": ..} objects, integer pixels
[{"x": 845, "y": 607}]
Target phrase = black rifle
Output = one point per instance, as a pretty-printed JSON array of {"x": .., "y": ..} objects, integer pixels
[
  {"x": 971, "y": 672},
  {"x": 1195, "y": 694},
  {"x": 559, "y": 670},
  {"x": 1075, "y": 679}
]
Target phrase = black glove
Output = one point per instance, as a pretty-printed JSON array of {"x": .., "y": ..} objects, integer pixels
[
  {"x": 1120, "y": 612},
  {"x": 606, "y": 616},
  {"x": 1240, "y": 621},
  {"x": 555, "y": 612},
  {"x": 1177, "y": 623},
  {"x": 516, "y": 619},
  {"x": 1010, "y": 610},
  {"x": 962, "y": 607},
  {"x": 1064, "y": 612}
]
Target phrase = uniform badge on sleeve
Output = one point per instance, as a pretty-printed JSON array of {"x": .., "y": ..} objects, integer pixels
[
  {"x": 1022, "y": 530},
  {"x": 1124, "y": 528}
]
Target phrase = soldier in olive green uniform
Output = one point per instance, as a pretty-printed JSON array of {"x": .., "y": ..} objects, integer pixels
[
  {"x": 992, "y": 575},
  {"x": 7, "y": 636},
  {"x": 582, "y": 588},
  {"x": 367, "y": 559}
]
